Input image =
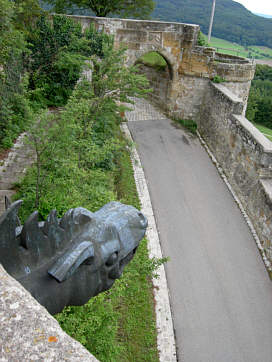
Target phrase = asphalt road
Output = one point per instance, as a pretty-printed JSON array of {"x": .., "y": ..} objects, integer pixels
[{"x": 221, "y": 295}]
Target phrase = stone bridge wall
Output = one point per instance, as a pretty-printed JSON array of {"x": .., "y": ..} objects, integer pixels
[
  {"x": 190, "y": 66},
  {"x": 245, "y": 155}
]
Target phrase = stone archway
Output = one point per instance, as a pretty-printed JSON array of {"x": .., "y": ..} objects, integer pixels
[
  {"x": 164, "y": 88},
  {"x": 159, "y": 72},
  {"x": 191, "y": 66}
]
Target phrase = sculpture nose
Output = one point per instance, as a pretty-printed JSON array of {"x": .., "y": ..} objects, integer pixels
[{"x": 143, "y": 220}]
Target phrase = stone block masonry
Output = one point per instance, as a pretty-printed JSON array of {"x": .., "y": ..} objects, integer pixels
[
  {"x": 159, "y": 81},
  {"x": 28, "y": 332},
  {"x": 244, "y": 154},
  {"x": 190, "y": 67}
]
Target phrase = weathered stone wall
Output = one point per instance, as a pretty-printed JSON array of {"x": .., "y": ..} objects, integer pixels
[
  {"x": 241, "y": 90},
  {"x": 244, "y": 154},
  {"x": 189, "y": 97},
  {"x": 28, "y": 332},
  {"x": 159, "y": 80},
  {"x": 191, "y": 67}
]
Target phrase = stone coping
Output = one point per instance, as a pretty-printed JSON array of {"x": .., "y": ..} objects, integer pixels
[
  {"x": 28, "y": 332},
  {"x": 264, "y": 142},
  {"x": 130, "y": 20},
  {"x": 267, "y": 187},
  {"x": 227, "y": 93}
]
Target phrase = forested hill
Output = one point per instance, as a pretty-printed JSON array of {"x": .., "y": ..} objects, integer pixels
[{"x": 232, "y": 21}]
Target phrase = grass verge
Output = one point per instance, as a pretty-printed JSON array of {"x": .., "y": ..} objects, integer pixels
[
  {"x": 189, "y": 124},
  {"x": 119, "y": 324}
]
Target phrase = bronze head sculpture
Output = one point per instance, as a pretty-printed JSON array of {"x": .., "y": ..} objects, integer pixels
[{"x": 69, "y": 260}]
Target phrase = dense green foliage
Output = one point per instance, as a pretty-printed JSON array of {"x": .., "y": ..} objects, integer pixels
[
  {"x": 40, "y": 65},
  {"x": 56, "y": 60},
  {"x": 232, "y": 21},
  {"x": 14, "y": 108},
  {"x": 81, "y": 138},
  {"x": 123, "y": 8},
  {"x": 90, "y": 167},
  {"x": 259, "y": 108},
  {"x": 59, "y": 49}
]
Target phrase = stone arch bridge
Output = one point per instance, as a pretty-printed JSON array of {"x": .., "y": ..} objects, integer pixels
[
  {"x": 190, "y": 67},
  {"x": 243, "y": 152}
]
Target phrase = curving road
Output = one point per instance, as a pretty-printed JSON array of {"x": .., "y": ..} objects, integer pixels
[{"x": 221, "y": 295}]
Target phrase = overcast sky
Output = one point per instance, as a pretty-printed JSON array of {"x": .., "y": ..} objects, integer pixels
[{"x": 257, "y": 6}]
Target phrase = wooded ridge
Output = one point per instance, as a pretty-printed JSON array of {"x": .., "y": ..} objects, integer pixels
[{"x": 232, "y": 21}]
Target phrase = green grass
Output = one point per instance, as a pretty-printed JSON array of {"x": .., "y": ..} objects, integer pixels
[
  {"x": 154, "y": 60},
  {"x": 267, "y": 132},
  {"x": 254, "y": 51},
  {"x": 189, "y": 124}
]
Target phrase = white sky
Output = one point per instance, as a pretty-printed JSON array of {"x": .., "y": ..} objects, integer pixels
[{"x": 257, "y": 6}]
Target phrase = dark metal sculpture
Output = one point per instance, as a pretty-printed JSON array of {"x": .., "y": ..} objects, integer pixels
[{"x": 69, "y": 260}]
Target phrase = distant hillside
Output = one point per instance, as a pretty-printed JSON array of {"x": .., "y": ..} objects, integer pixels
[
  {"x": 232, "y": 21},
  {"x": 264, "y": 15}
]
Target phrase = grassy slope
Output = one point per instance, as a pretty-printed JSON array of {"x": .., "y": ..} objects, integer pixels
[{"x": 256, "y": 51}]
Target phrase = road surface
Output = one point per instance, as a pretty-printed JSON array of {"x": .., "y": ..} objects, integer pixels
[{"x": 221, "y": 295}]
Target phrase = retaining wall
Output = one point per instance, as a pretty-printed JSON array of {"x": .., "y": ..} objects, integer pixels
[{"x": 244, "y": 153}]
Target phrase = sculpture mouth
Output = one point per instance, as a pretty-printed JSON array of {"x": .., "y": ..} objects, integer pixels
[{"x": 118, "y": 268}]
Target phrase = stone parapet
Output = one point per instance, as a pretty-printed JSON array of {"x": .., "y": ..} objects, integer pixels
[
  {"x": 205, "y": 62},
  {"x": 245, "y": 155},
  {"x": 28, "y": 332}
]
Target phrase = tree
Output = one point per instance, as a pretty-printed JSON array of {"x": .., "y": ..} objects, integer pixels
[
  {"x": 13, "y": 105},
  {"x": 26, "y": 14},
  {"x": 125, "y": 8}
]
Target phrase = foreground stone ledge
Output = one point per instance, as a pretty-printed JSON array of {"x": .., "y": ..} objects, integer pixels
[{"x": 28, "y": 332}]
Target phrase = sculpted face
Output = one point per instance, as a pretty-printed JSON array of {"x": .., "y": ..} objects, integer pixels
[{"x": 67, "y": 261}]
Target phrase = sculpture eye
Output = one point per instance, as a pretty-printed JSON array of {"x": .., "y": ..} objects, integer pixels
[{"x": 112, "y": 259}]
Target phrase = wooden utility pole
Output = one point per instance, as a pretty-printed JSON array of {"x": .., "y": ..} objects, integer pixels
[{"x": 211, "y": 21}]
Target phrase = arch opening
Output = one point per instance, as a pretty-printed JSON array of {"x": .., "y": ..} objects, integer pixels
[{"x": 159, "y": 72}]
